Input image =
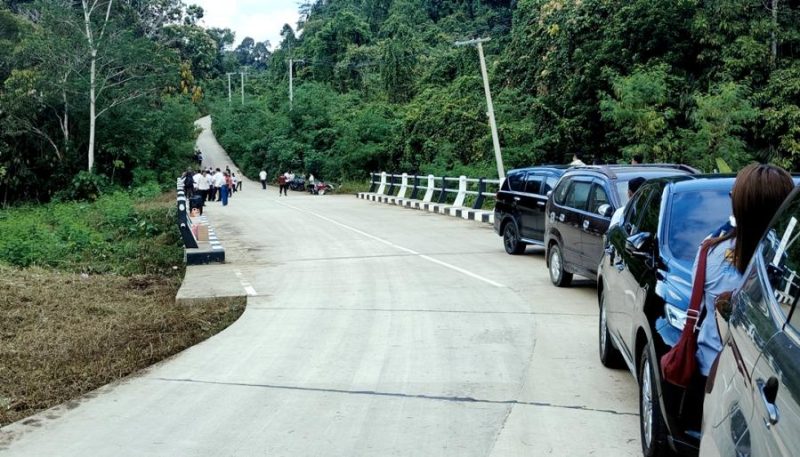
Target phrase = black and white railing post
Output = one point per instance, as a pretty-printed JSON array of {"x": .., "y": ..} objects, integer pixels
[
  {"x": 399, "y": 185},
  {"x": 184, "y": 223}
]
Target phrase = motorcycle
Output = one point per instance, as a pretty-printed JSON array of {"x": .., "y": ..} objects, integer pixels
[{"x": 321, "y": 188}]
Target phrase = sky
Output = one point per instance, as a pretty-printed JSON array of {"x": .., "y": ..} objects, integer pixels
[{"x": 258, "y": 19}]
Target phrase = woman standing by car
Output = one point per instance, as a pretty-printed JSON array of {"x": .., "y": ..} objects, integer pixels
[{"x": 757, "y": 194}]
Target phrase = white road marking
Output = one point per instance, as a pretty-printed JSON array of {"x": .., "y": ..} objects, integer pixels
[
  {"x": 247, "y": 286},
  {"x": 396, "y": 246}
]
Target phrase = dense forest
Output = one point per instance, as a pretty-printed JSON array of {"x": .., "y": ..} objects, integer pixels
[{"x": 380, "y": 85}]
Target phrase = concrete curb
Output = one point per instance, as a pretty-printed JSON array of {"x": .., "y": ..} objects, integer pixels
[{"x": 470, "y": 214}]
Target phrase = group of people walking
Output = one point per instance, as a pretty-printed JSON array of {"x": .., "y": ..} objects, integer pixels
[{"x": 210, "y": 184}]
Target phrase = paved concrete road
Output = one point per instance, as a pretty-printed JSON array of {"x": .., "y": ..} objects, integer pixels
[{"x": 375, "y": 331}]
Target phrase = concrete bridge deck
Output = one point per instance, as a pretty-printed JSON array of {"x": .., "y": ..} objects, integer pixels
[{"x": 370, "y": 331}]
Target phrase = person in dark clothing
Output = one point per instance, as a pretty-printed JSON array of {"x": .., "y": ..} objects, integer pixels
[
  {"x": 188, "y": 184},
  {"x": 282, "y": 185}
]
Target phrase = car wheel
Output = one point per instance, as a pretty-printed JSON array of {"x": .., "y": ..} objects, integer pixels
[
  {"x": 558, "y": 275},
  {"x": 651, "y": 423},
  {"x": 511, "y": 239},
  {"x": 609, "y": 355}
]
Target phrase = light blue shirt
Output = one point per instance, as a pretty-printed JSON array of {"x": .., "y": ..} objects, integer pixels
[{"x": 721, "y": 276}]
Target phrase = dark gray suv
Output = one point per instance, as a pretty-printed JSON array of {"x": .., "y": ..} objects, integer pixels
[
  {"x": 753, "y": 408},
  {"x": 579, "y": 213}
]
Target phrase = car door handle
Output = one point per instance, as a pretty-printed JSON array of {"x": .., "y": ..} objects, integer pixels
[
  {"x": 540, "y": 203},
  {"x": 561, "y": 218},
  {"x": 516, "y": 199},
  {"x": 586, "y": 225},
  {"x": 769, "y": 393}
]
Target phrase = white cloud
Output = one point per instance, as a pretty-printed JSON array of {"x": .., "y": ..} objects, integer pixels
[{"x": 258, "y": 19}]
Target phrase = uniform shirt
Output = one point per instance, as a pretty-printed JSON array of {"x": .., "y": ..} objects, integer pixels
[
  {"x": 197, "y": 179},
  {"x": 721, "y": 276},
  {"x": 262, "y": 176}
]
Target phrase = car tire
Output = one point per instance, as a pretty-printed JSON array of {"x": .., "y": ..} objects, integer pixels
[
  {"x": 610, "y": 356},
  {"x": 511, "y": 241},
  {"x": 555, "y": 263},
  {"x": 651, "y": 422}
]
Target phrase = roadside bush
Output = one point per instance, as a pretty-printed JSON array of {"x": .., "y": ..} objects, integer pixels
[{"x": 115, "y": 234}]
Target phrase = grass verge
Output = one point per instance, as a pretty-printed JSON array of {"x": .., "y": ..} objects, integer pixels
[
  {"x": 64, "y": 334},
  {"x": 89, "y": 298}
]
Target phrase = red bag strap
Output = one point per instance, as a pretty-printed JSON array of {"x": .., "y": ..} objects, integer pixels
[{"x": 699, "y": 285}]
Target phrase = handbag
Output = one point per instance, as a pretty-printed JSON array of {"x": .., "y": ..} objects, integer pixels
[{"x": 679, "y": 365}]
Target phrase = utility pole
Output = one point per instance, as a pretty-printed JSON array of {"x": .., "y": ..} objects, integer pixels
[
  {"x": 229, "y": 87},
  {"x": 489, "y": 105},
  {"x": 242, "y": 73}
]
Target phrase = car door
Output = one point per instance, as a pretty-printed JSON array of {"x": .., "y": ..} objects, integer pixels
[
  {"x": 775, "y": 382},
  {"x": 532, "y": 216},
  {"x": 516, "y": 184},
  {"x": 636, "y": 271},
  {"x": 616, "y": 268},
  {"x": 594, "y": 227},
  {"x": 570, "y": 219},
  {"x": 753, "y": 406}
]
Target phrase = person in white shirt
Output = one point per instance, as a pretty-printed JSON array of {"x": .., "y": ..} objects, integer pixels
[
  {"x": 262, "y": 176},
  {"x": 219, "y": 181},
  {"x": 202, "y": 184},
  {"x": 211, "y": 193},
  {"x": 633, "y": 185}
]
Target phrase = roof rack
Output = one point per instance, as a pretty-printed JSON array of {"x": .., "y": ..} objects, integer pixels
[{"x": 607, "y": 168}]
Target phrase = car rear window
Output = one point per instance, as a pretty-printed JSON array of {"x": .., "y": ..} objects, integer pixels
[
  {"x": 515, "y": 181},
  {"x": 694, "y": 215}
]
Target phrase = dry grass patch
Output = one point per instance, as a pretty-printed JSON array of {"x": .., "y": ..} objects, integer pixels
[{"x": 62, "y": 335}]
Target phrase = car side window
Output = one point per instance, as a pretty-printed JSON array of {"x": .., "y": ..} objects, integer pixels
[
  {"x": 634, "y": 209},
  {"x": 599, "y": 198},
  {"x": 533, "y": 183},
  {"x": 578, "y": 195},
  {"x": 515, "y": 182},
  {"x": 648, "y": 222},
  {"x": 560, "y": 195},
  {"x": 780, "y": 252},
  {"x": 549, "y": 185}
]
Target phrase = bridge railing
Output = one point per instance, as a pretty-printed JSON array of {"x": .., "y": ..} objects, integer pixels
[{"x": 460, "y": 191}]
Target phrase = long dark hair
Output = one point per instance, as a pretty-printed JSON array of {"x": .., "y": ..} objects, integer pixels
[{"x": 758, "y": 192}]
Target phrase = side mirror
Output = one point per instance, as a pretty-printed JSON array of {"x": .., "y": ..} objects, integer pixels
[
  {"x": 605, "y": 210},
  {"x": 639, "y": 243},
  {"x": 549, "y": 192}
]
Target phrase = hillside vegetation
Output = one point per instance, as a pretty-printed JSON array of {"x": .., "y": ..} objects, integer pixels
[{"x": 379, "y": 85}]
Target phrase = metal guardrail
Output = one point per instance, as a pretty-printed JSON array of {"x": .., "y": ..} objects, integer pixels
[{"x": 385, "y": 184}]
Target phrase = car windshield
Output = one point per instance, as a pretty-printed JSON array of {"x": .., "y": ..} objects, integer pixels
[{"x": 694, "y": 216}]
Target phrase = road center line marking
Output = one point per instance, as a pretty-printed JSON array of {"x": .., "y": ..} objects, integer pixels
[{"x": 396, "y": 246}]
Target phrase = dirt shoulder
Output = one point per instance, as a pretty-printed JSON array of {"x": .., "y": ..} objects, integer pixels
[{"x": 62, "y": 335}]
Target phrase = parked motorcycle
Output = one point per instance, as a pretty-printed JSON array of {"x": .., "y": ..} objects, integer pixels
[
  {"x": 297, "y": 183},
  {"x": 321, "y": 188}
]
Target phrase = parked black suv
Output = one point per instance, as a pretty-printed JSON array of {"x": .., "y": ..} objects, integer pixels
[
  {"x": 644, "y": 285},
  {"x": 754, "y": 404},
  {"x": 579, "y": 212},
  {"x": 519, "y": 207}
]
